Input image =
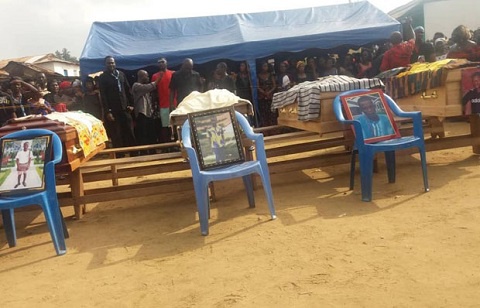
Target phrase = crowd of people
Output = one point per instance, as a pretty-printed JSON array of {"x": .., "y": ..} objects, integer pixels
[{"x": 139, "y": 114}]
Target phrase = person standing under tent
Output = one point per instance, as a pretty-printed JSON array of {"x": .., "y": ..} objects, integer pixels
[
  {"x": 142, "y": 96},
  {"x": 164, "y": 134},
  {"x": 117, "y": 104}
]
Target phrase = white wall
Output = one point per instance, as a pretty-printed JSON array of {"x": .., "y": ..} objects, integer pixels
[
  {"x": 444, "y": 16},
  {"x": 60, "y": 67}
]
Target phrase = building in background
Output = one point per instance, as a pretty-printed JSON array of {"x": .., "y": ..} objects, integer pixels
[
  {"x": 440, "y": 15},
  {"x": 48, "y": 64}
]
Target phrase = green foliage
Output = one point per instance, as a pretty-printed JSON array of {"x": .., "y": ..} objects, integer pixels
[
  {"x": 65, "y": 55},
  {"x": 4, "y": 174}
]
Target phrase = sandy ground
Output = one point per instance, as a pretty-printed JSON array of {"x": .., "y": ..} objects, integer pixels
[{"x": 327, "y": 248}]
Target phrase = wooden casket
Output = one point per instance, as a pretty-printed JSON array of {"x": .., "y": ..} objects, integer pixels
[
  {"x": 315, "y": 112},
  {"x": 325, "y": 123},
  {"x": 244, "y": 107},
  {"x": 442, "y": 99},
  {"x": 73, "y": 155}
]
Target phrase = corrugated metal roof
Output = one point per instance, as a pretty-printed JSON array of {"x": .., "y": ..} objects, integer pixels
[{"x": 49, "y": 57}]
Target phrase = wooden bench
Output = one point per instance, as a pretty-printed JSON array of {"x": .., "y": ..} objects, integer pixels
[{"x": 107, "y": 177}]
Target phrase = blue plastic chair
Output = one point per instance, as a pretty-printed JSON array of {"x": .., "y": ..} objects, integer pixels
[
  {"x": 46, "y": 198},
  {"x": 367, "y": 151},
  {"x": 202, "y": 178}
]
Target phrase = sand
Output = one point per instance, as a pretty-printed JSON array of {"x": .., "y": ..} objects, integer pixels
[{"x": 327, "y": 248}]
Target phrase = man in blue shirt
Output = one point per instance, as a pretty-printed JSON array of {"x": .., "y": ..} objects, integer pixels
[{"x": 373, "y": 124}]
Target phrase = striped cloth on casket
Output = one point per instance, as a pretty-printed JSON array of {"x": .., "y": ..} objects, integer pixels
[{"x": 308, "y": 94}]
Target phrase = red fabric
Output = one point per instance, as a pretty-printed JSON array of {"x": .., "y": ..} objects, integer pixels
[
  {"x": 64, "y": 85},
  {"x": 163, "y": 88},
  {"x": 472, "y": 54},
  {"x": 60, "y": 107},
  {"x": 398, "y": 56}
]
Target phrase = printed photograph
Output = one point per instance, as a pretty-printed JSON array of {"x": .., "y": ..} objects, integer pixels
[
  {"x": 22, "y": 165},
  {"x": 216, "y": 137},
  {"x": 471, "y": 90},
  {"x": 371, "y": 110}
]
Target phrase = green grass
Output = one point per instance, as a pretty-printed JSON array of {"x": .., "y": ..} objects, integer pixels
[
  {"x": 4, "y": 174},
  {"x": 39, "y": 171}
]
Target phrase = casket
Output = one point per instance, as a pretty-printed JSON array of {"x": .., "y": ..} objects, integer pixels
[
  {"x": 73, "y": 156},
  {"x": 326, "y": 122},
  {"x": 309, "y": 105},
  {"x": 440, "y": 100},
  {"x": 216, "y": 98}
]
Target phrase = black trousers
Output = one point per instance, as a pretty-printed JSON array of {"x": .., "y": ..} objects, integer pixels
[
  {"x": 145, "y": 130},
  {"x": 121, "y": 130}
]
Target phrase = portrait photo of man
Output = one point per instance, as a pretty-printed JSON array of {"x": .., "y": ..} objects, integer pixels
[
  {"x": 374, "y": 124},
  {"x": 471, "y": 90}
]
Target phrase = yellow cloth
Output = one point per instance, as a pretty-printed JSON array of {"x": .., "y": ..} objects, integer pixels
[
  {"x": 419, "y": 67},
  {"x": 90, "y": 130}
]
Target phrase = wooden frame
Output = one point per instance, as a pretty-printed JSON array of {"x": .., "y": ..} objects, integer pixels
[
  {"x": 16, "y": 175},
  {"x": 372, "y": 111},
  {"x": 216, "y": 137}
]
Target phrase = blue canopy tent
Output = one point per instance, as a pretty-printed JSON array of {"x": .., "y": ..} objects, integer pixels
[{"x": 237, "y": 37}]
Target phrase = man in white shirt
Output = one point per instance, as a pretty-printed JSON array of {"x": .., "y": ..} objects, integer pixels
[{"x": 23, "y": 159}]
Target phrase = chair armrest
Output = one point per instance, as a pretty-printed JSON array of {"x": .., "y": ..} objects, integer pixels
[{"x": 416, "y": 117}]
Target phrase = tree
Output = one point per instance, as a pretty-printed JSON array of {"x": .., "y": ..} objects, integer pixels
[{"x": 65, "y": 55}]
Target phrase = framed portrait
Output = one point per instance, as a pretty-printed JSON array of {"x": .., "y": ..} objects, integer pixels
[
  {"x": 373, "y": 113},
  {"x": 471, "y": 90},
  {"x": 23, "y": 163},
  {"x": 216, "y": 137}
]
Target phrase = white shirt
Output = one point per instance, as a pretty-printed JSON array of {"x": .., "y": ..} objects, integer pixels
[{"x": 23, "y": 156}]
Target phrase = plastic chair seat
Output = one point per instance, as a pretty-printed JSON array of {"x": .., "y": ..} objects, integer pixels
[
  {"x": 398, "y": 143},
  {"x": 233, "y": 171}
]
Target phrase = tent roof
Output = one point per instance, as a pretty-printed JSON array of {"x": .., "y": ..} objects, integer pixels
[{"x": 237, "y": 37}]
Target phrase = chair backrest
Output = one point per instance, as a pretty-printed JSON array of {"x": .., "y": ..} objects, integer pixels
[
  {"x": 369, "y": 113},
  {"x": 192, "y": 153},
  {"x": 215, "y": 136},
  {"x": 45, "y": 143}
]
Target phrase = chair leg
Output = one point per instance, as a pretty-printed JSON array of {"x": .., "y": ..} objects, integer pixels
[
  {"x": 53, "y": 218},
  {"x": 267, "y": 187},
  {"x": 64, "y": 226},
  {"x": 391, "y": 168},
  {"x": 366, "y": 176},
  {"x": 247, "y": 181},
  {"x": 203, "y": 207},
  {"x": 352, "y": 169},
  {"x": 423, "y": 158},
  {"x": 9, "y": 226}
]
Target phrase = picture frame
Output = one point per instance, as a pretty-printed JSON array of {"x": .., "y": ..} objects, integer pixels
[
  {"x": 216, "y": 137},
  {"x": 22, "y": 165},
  {"x": 373, "y": 113},
  {"x": 470, "y": 90}
]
